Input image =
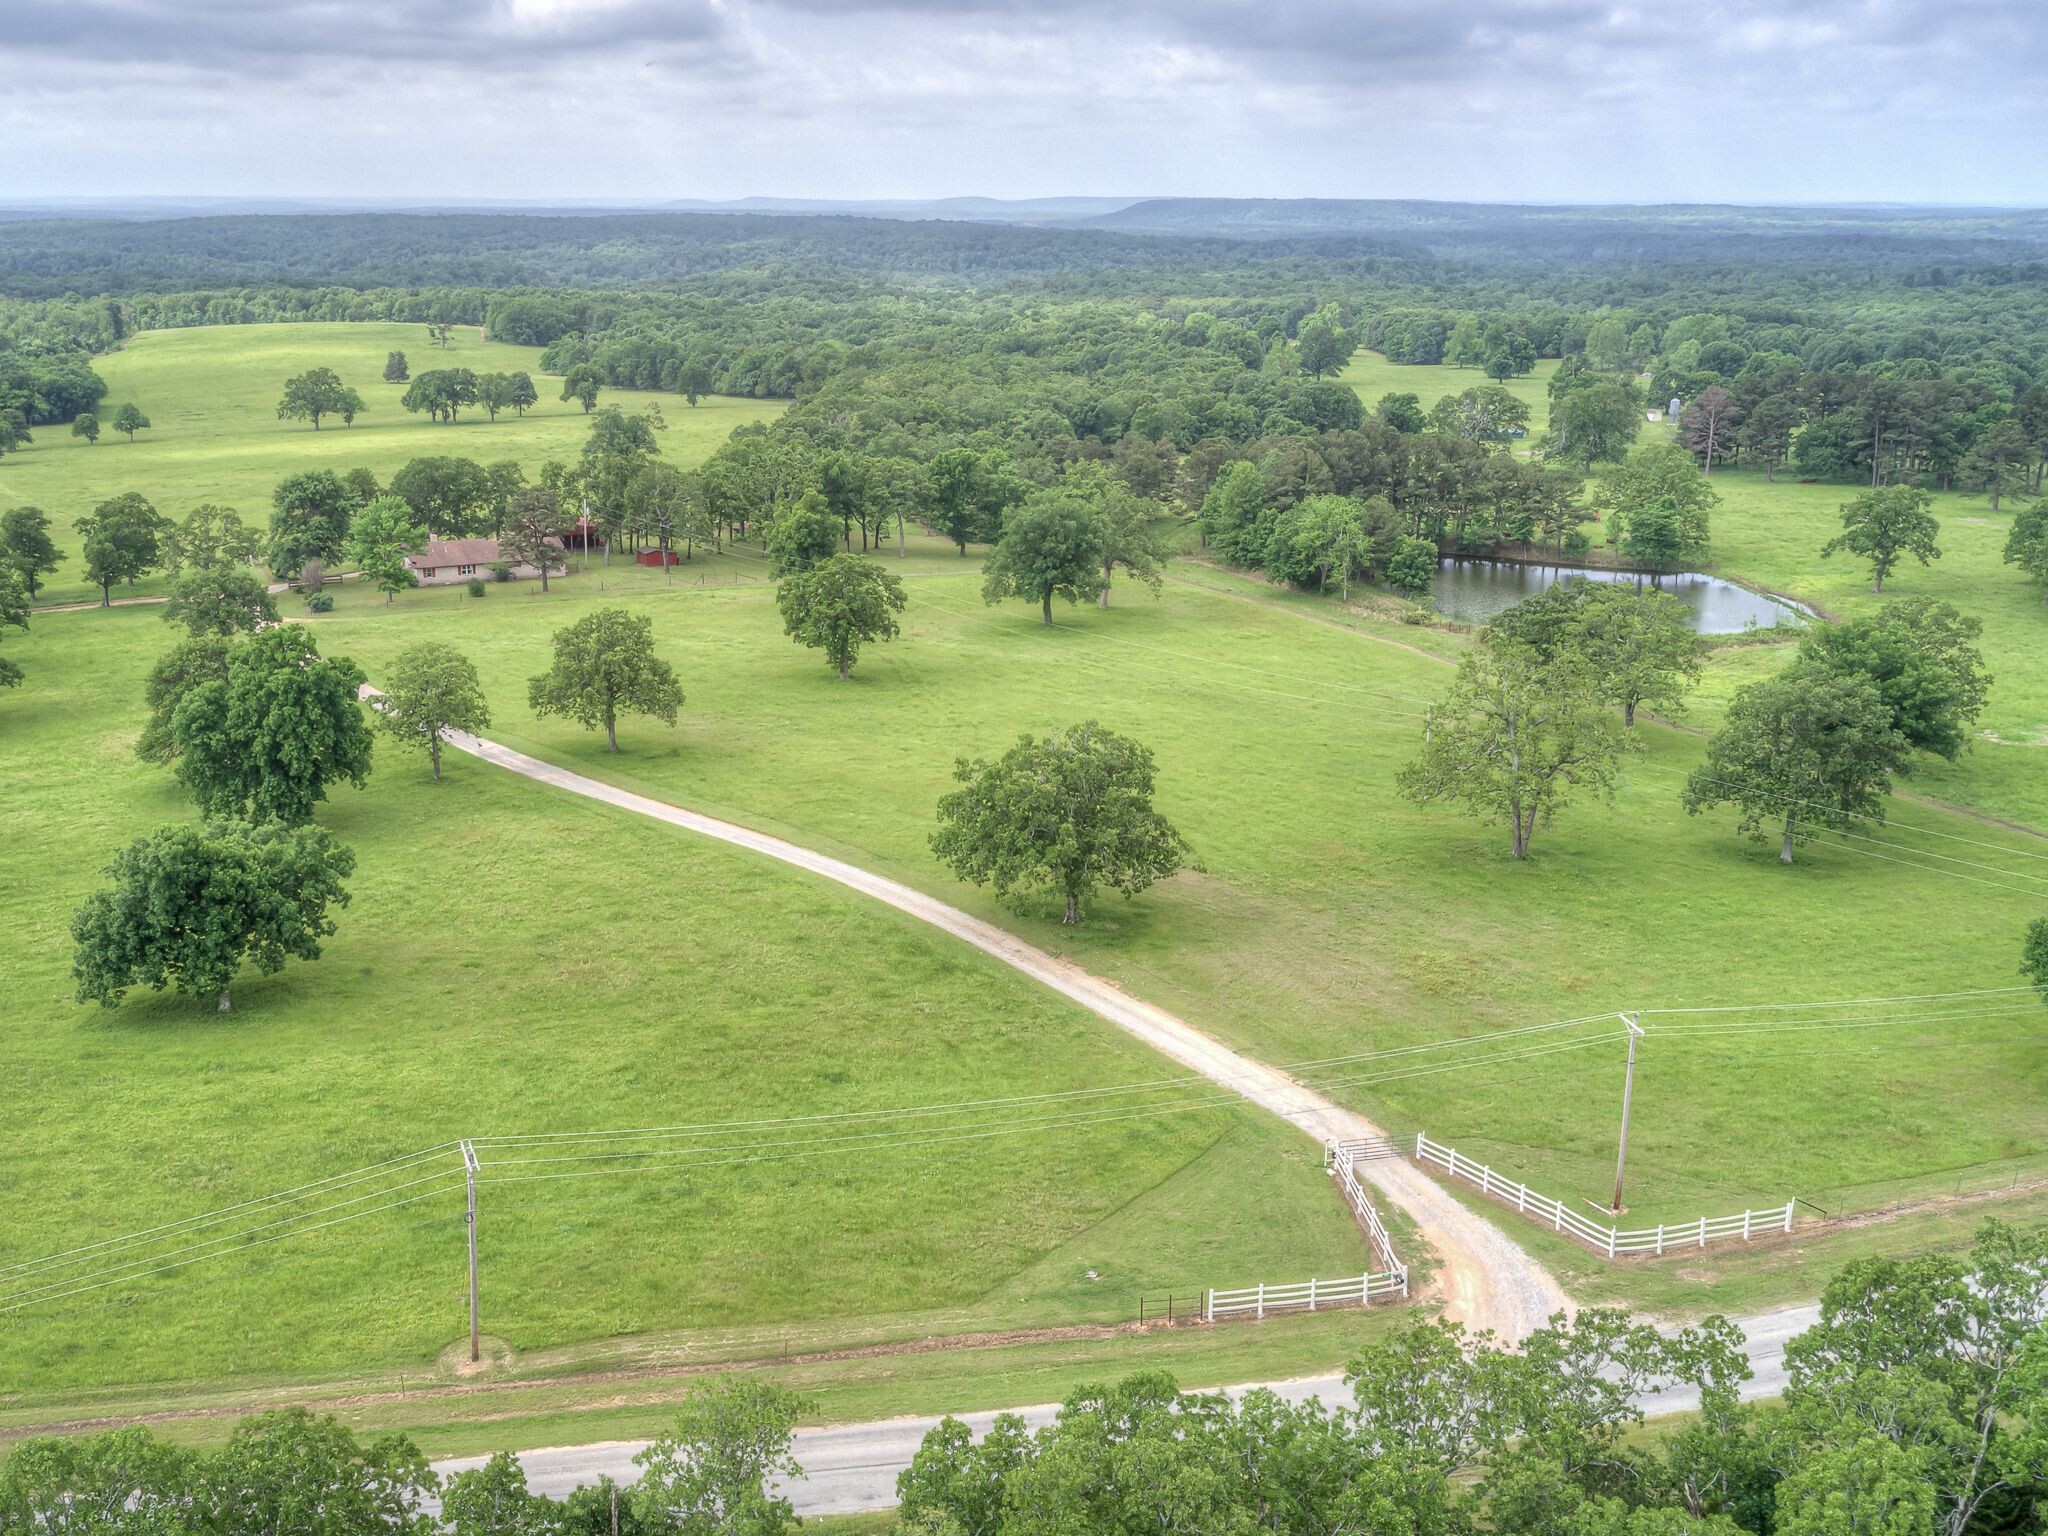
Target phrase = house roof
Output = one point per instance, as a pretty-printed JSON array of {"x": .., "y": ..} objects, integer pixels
[{"x": 455, "y": 552}]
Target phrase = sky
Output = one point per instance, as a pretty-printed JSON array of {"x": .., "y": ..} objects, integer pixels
[{"x": 1525, "y": 100}]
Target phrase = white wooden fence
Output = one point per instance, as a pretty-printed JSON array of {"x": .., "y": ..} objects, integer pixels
[
  {"x": 1562, "y": 1218},
  {"x": 1313, "y": 1295},
  {"x": 1308, "y": 1296},
  {"x": 1338, "y": 1158}
]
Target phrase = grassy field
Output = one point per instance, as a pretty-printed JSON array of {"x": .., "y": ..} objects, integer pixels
[
  {"x": 1333, "y": 918},
  {"x": 513, "y": 961},
  {"x": 1773, "y": 533},
  {"x": 1373, "y": 376},
  {"x": 518, "y": 960},
  {"x": 211, "y": 396}
]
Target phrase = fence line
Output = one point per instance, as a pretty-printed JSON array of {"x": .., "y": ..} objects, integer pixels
[
  {"x": 1313, "y": 1295},
  {"x": 1602, "y": 1239},
  {"x": 1306, "y": 1296},
  {"x": 1339, "y": 1162}
]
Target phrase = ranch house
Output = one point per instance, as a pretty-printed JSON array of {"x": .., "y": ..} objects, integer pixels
[{"x": 445, "y": 562}]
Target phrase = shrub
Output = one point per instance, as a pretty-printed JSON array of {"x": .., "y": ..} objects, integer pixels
[
  {"x": 320, "y": 602},
  {"x": 476, "y": 586},
  {"x": 1577, "y": 544},
  {"x": 502, "y": 571}
]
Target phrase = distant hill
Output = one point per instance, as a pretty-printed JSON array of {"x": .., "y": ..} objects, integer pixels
[
  {"x": 979, "y": 210},
  {"x": 984, "y": 210},
  {"x": 1595, "y": 232}
]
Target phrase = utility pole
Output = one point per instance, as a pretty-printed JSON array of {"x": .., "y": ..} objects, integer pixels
[
  {"x": 1628, "y": 1088},
  {"x": 469, "y": 1164}
]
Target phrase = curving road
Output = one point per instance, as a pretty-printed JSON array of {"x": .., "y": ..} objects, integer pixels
[
  {"x": 1486, "y": 1280},
  {"x": 849, "y": 1468}
]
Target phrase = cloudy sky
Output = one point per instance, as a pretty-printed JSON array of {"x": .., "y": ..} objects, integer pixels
[{"x": 1780, "y": 100}]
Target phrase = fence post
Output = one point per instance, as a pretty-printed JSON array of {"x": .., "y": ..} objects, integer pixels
[
  {"x": 1209, "y": 1306},
  {"x": 1557, "y": 1215},
  {"x": 1262, "y": 1300},
  {"x": 1312, "y": 1295},
  {"x": 1788, "y": 1215},
  {"x": 1365, "y": 1291},
  {"x": 1703, "y": 1231},
  {"x": 1521, "y": 1199},
  {"x": 1660, "y": 1239},
  {"x": 1610, "y": 1242},
  {"x": 1419, "y": 1140},
  {"x": 1745, "y": 1226}
]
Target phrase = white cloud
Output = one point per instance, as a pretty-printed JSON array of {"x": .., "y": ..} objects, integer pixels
[{"x": 1533, "y": 99}]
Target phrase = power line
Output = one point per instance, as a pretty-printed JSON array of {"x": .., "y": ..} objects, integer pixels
[
  {"x": 1844, "y": 1002},
  {"x": 862, "y": 1141},
  {"x": 15, "y": 1306},
  {"x": 1777, "y": 1027},
  {"x": 48, "y": 1266},
  {"x": 1916, "y": 853},
  {"x": 1836, "y": 810},
  {"x": 224, "y": 1242},
  {"x": 719, "y": 1155},
  {"x": 169, "y": 1229},
  {"x": 684, "y": 1161},
  {"x": 709, "y": 1128}
]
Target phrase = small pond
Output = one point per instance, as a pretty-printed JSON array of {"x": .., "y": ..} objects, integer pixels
[{"x": 1473, "y": 591}]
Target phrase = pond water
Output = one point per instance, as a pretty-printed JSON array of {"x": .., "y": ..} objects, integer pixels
[{"x": 1473, "y": 591}]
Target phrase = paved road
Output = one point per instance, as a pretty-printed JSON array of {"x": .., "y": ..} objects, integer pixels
[
  {"x": 853, "y": 1467},
  {"x": 1486, "y": 1279}
]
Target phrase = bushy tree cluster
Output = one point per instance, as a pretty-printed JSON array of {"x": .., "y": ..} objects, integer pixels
[
  {"x": 713, "y": 1473},
  {"x": 1916, "y": 1405}
]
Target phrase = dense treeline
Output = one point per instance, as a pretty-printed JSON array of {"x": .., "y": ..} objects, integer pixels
[
  {"x": 1915, "y": 1406},
  {"x": 49, "y": 258},
  {"x": 942, "y": 372}
]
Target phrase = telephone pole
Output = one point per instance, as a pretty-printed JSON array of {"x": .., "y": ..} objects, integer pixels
[
  {"x": 1628, "y": 1088},
  {"x": 469, "y": 1164}
]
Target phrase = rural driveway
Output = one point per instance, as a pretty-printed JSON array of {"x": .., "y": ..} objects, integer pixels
[
  {"x": 853, "y": 1467},
  {"x": 1487, "y": 1281}
]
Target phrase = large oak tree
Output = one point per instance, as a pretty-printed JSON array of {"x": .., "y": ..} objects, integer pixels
[
  {"x": 190, "y": 906},
  {"x": 1066, "y": 814}
]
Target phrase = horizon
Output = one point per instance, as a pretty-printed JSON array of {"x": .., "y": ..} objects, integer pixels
[
  {"x": 684, "y": 203},
  {"x": 1544, "y": 102}
]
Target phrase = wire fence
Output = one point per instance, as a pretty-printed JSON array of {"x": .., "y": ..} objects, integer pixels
[{"x": 1877, "y": 1196}]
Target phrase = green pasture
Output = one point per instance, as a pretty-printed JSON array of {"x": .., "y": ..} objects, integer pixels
[
  {"x": 211, "y": 395},
  {"x": 514, "y": 961},
  {"x": 1372, "y": 376},
  {"x": 1332, "y": 918},
  {"x": 1773, "y": 534},
  {"x": 520, "y": 960}
]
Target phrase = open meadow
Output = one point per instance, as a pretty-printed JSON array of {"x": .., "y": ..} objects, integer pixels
[
  {"x": 211, "y": 396},
  {"x": 1773, "y": 534},
  {"x": 517, "y": 960},
  {"x": 1333, "y": 918},
  {"x": 1372, "y": 376}
]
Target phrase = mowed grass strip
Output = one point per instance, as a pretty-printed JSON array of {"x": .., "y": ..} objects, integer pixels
[
  {"x": 1333, "y": 917},
  {"x": 211, "y": 395},
  {"x": 517, "y": 960}
]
